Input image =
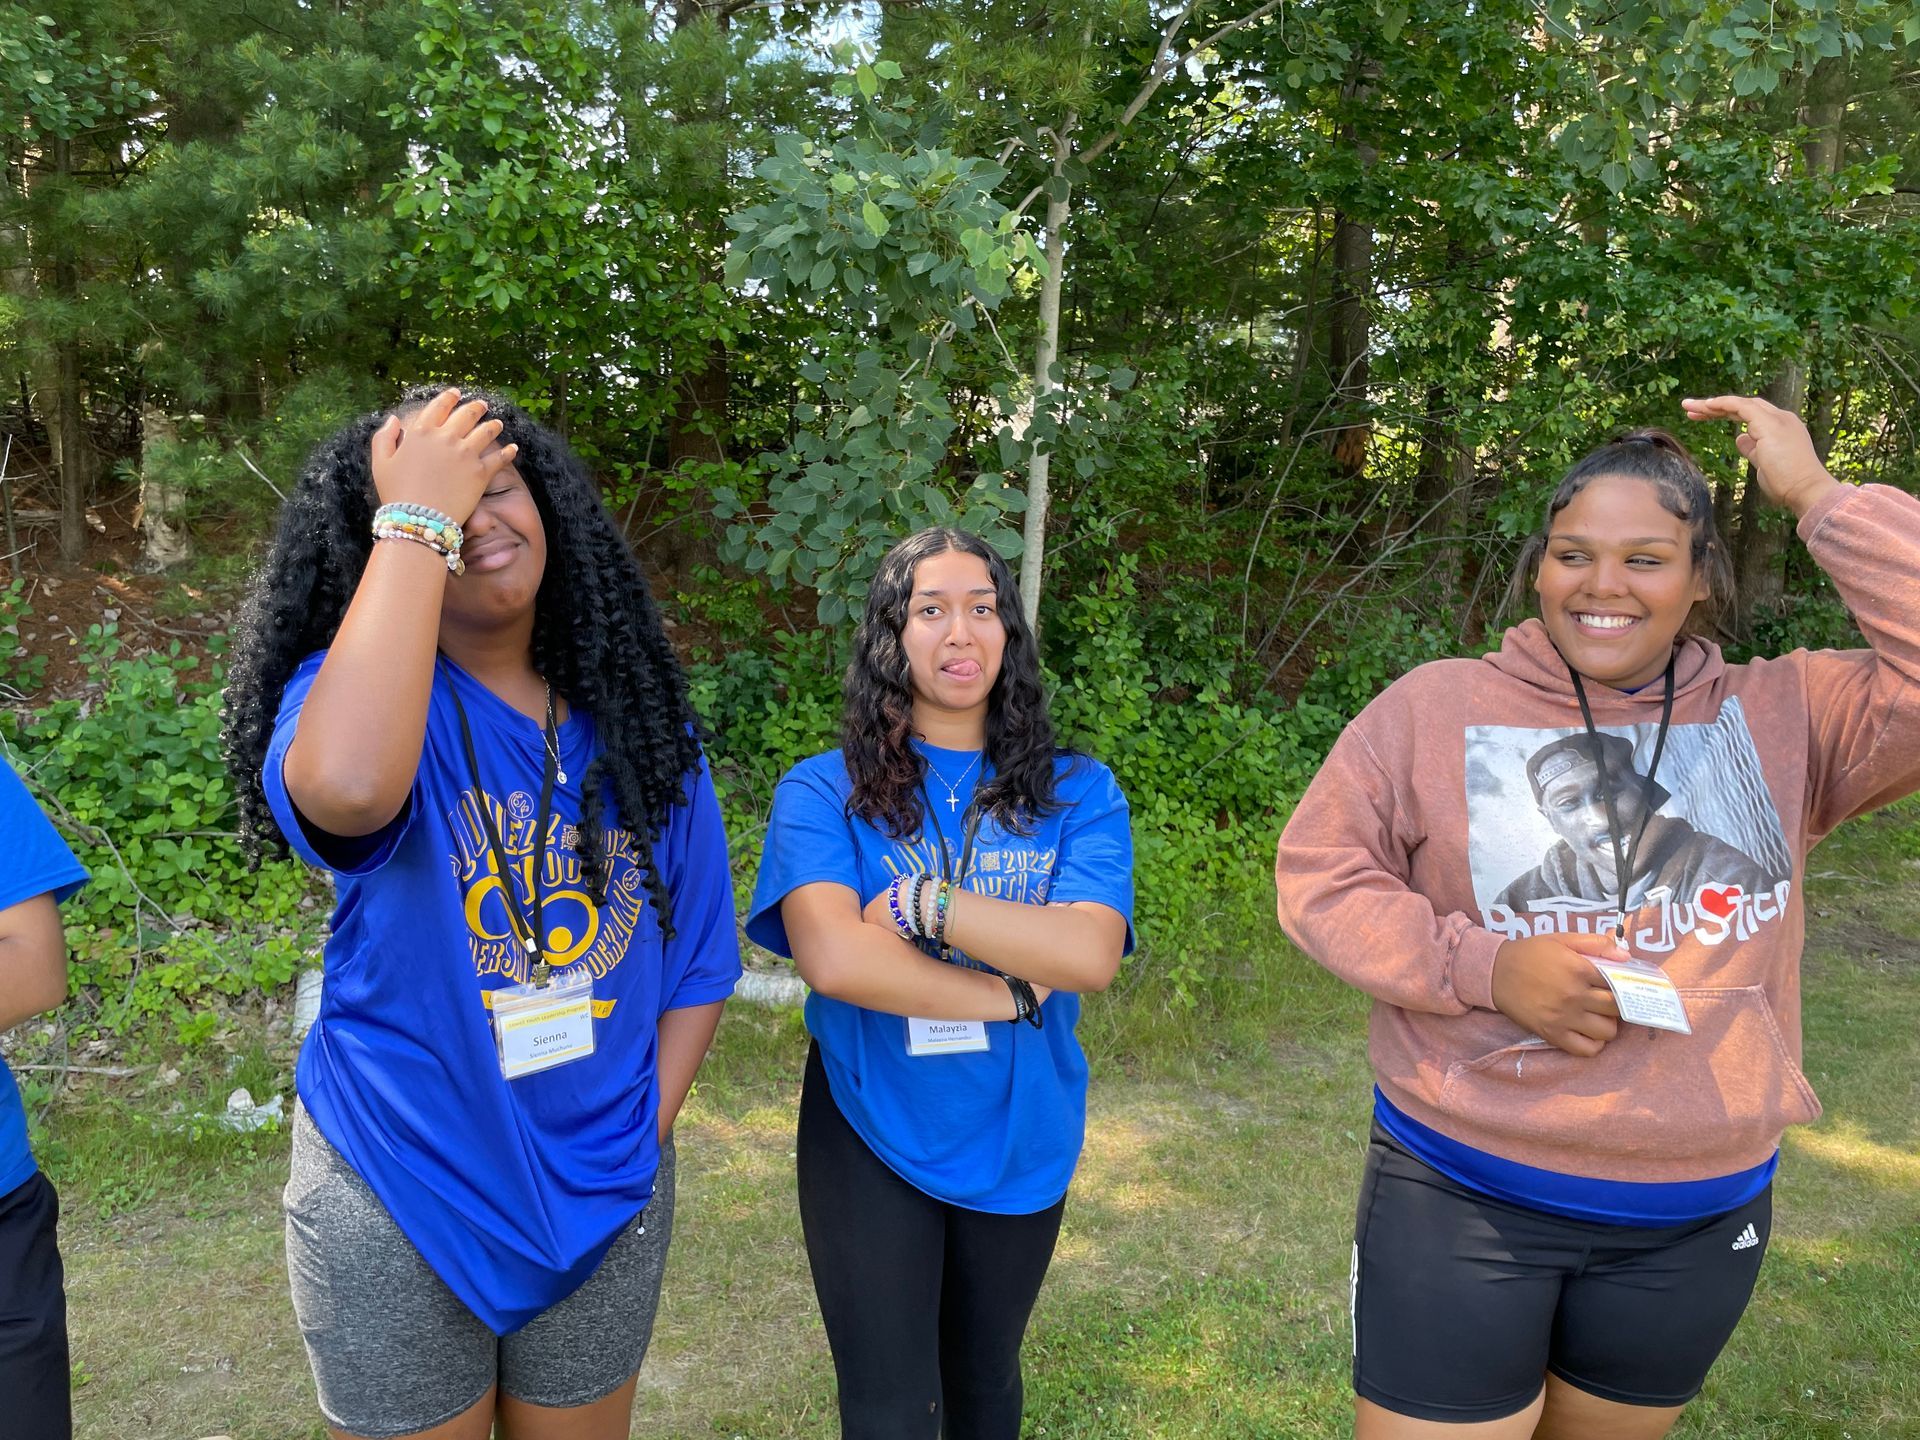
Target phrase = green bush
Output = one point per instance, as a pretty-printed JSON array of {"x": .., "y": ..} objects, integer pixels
[
  {"x": 133, "y": 775},
  {"x": 1812, "y": 618},
  {"x": 1206, "y": 779},
  {"x": 21, "y": 674}
]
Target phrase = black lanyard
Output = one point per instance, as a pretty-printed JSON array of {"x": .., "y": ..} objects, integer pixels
[
  {"x": 526, "y": 927},
  {"x": 1624, "y": 856},
  {"x": 955, "y": 877},
  {"x": 947, "y": 872}
]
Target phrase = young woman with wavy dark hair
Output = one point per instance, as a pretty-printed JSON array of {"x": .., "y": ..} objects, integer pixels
[
  {"x": 947, "y": 882},
  {"x": 1570, "y": 873},
  {"x": 451, "y": 690}
]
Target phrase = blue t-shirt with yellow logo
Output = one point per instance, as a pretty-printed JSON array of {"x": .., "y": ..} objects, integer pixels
[
  {"x": 38, "y": 863},
  {"x": 511, "y": 1189},
  {"x": 1000, "y": 1129}
]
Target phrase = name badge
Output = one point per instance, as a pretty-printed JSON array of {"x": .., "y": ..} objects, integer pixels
[
  {"x": 535, "y": 1029},
  {"x": 1645, "y": 995},
  {"x": 945, "y": 1037}
]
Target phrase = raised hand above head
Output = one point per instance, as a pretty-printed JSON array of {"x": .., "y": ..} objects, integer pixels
[{"x": 1777, "y": 443}]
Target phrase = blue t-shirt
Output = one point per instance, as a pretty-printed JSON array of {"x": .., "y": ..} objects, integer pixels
[
  {"x": 999, "y": 1129},
  {"x": 38, "y": 863},
  {"x": 511, "y": 1189},
  {"x": 1651, "y": 1205}
]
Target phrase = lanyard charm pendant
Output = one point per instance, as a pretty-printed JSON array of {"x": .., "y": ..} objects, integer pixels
[{"x": 539, "y": 972}]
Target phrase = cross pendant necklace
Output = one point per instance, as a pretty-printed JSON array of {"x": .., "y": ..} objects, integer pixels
[{"x": 953, "y": 790}]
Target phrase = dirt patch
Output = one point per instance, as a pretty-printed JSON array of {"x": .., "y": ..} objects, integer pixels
[
  {"x": 151, "y": 612},
  {"x": 1867, "y": 942}
]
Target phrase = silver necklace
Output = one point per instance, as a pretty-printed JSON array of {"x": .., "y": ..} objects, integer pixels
[
  {"x": 547, "y": 738},
  {"x": 953, "y": 790}
]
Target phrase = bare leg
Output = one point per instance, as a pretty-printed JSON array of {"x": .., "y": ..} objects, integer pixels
[
  {"x": 1371, "y": 1422},
  {"x": 608, "y": 1418},
  {"x": 1573, "y": 1414},
  {"x": 473, "y": 1423}
]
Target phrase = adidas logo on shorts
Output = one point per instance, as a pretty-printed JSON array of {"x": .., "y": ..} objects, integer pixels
[{"x": 1748, "y": 1239}]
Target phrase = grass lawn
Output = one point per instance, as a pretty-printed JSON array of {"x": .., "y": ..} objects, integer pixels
[{"x": 1200, "y": 1285}]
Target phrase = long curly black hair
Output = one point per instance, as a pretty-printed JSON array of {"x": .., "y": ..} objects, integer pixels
[
  {"x": 597, "y": 636},
  {"x": 877, "y": 722}
]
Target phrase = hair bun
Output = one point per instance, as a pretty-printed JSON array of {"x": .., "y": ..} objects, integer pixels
[{"x": 1662, "y": 441}]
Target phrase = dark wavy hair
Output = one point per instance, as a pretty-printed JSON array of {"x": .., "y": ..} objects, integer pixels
[
  {"x": 877, "y": 722},
  {"x": 597, "y": 637},
  {"x": 1664, "y": 463}
]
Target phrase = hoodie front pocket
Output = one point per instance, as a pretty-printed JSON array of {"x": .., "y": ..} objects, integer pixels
[{"x": 1727, "y": 1089}]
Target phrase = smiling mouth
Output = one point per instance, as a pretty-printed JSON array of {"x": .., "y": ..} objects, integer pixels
[
  {"x": 491, "y": 557},
  {"x": 1604, "y": 624}
]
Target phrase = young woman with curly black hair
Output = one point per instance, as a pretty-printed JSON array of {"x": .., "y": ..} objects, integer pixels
[
  {"x": 946, "y": 882},
  {"x": 449, "y": 652}
]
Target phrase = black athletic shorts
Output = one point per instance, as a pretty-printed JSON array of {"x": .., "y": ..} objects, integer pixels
[
  {"x": 1463, "y": 1304},
  {"x": 33, "y": 1317}
]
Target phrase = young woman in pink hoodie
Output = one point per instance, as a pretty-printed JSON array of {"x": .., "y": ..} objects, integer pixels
[{"x": 1564, "y": 1208}]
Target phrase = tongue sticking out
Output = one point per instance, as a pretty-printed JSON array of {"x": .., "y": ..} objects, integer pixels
[{"x": 961, "y": 669}]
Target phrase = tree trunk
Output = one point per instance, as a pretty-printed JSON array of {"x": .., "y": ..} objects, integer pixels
[
  {"x": 1445, "y": 477},
  {"x": 697, "y": 429},
  {"x": 1823, "y": 421},
  {"x": 697, "y": 426},
  {"x": 1760, "y": 547},
  {"x": 67, "y": 429},
  {"x": 1759, "y": 551},
  {"x": 166, "y": 542},
  {"x": 557, "y": 400},
  {"x": 1352, "y": 290},
  {"x": 1046, "y": 350}
]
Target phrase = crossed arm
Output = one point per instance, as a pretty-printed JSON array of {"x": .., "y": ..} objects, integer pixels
[{"x": 853, "y": 953}]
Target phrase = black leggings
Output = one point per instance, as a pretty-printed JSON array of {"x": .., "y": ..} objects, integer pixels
[
  {"x": 924, "y": 1302},
  {"x": 33, "y": 1316}
]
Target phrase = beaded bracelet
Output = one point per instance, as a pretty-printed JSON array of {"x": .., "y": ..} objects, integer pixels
[
  {"x": 435, "y": 529},
  {"x": 407, "y": 507},
  {"x": 893, "y": 906},
  {"x": 917, "y": 903},
  {"x": 424, "y": 517},
  {"x": 942, "y": 900}
]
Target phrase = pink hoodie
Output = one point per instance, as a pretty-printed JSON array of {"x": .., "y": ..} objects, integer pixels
[{"x": 1446, "y": 820}]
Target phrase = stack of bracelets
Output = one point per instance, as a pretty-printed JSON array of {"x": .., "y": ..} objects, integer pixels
[
  {"x": 919, "y": 904},
  {"x": 424, "y": 525}
]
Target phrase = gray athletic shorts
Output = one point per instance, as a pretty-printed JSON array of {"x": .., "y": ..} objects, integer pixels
[{"x": 394, "y": 1351}]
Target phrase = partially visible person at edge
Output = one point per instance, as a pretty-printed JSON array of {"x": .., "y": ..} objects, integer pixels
[
  {"x": 450, "y": 672},
  {"x": 1562, "y": 1214},
  {"x": 39, "y": 875},
  {"x": 947, "y": 882}
]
